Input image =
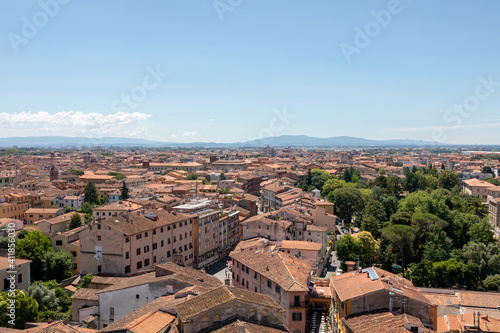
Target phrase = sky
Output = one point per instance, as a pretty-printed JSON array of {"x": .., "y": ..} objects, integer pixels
[{"x": 237, "y": 70}]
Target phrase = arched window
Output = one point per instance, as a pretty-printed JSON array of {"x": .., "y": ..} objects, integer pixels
[
  {"x": 205, "y": 322},
  {"x": 252, "y": 315},
  {"x": 217, "y": 318},
  {"x": 264, "y": 316}
]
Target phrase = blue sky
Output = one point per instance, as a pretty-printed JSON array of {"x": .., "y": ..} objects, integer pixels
[{"x": 233, "y": 70}]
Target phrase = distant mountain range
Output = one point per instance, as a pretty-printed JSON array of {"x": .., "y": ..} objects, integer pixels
[{"x": 275, "y": 141}]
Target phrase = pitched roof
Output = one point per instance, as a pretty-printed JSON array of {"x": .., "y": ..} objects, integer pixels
[
  {"x": 221, "y": 295},
  {"x": 354, "y": 284},
  {"x": 289, "y": 272}
]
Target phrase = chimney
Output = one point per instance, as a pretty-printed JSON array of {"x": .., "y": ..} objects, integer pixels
[
  {"x": 474, "y": 315},
  {"x": 479, "y": 320}
]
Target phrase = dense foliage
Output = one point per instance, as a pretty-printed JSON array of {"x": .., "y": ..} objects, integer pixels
[{"x": 422, "y": 224}]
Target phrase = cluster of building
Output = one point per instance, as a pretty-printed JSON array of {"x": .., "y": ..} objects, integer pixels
[{"x": 188, "y": 210}]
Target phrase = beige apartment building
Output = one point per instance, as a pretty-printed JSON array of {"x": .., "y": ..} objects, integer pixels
[
  {"x": 494, "y": 206},
  {"x": 21, "y": 267},
  {"x": 282, "y": 276},
  {"x": 69, "y": 241},
  {"x": 57, "y": 224},
  {"x": 132, "y": 242},
  {"x": 37, "y": 214},
  {"x": 477, "y": 188},
  {"x": 206, "y": 230}
]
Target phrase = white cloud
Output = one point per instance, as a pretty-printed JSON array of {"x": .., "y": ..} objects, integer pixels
[
  {"x": 173, "y": 136},
  {"x": 190, "y": 134},
  {"x": 211, "y": 119},
  {"x": 71, "y": 123}
]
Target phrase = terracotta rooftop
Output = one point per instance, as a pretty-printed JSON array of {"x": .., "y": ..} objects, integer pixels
[
  {"x": 221, "y": 295},
  {"x": 289, "y": 272}
]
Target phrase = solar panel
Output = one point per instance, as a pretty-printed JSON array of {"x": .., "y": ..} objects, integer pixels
[{"x": 371, "y": 272}]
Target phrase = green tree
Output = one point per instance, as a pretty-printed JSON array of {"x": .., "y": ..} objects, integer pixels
[
  {"x": 402, "y": 235},
  {"x": 351, "y": 175},
  {"x": 26, "y": 309},
  {"x": 22, "y": 233},
  {"x": 348, "y": 248},
  {"x": 34, "y": 246},
  {"x": 86, "y": 280},
  {"x": 117, "y": 175},
  {"x": 222, "y": 176},
  {"x": 76, "y": 172},
  {"x": 370, "y": 249},
  {"x": 57, "y": 265},
  {"x": 420, "y": 274},
  {"x": 332, "y": 184},
  {"x": 448, "y": 179},
  {"x": 348, "y": 201},
  {"x": 486, "y": 256},
  {"x": 124, "y": 192},
  {"x": 481, "y": 232},
  {"x": 487, "y": 169},
  {"x": 192, "y": 176},
  {"x": 492, "y": 282},
  {"x": 90, "y": 193},
  {"x": 75, "y": 222},
  {"x": 372, "y": 225},
  {"x": 493, "y": 181},
  {"x": 476, "y": 207},
  {"x": 319, "y": 178},
  {"x": 45, "y": 297}
]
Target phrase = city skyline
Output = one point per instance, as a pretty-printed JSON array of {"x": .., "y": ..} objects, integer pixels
[{"x": 233, "y": 71}]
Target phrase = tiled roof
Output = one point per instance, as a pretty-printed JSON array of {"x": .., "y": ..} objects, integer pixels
[
  {"x": 289, "y": 272},
  {"x": 151, "y": 322},
  {"x": 383, "y": 322},
  {"x": 479, "y": 299},
  {"x": 353, "y": 284},
  {"x": 249, "y": 328},
  {"x": 221, "y": 295}
]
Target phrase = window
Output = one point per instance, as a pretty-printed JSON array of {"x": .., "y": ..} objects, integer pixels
[
  {"x": 146, "y": 262},
  {"x": 155, "y": 246},
  {"x": 127, "y": 255},
  {"x": 277, "y": 289},
  {"x": 99, "y": 269},
  {"x": 98, "y": 226},
  {"x": 247, "y": 269},
  {"x": 168, "y": 254},
  {"x": 168, "y": 241},
  {"x": 138, "y": 236},
  {"x": 154, "y": 260},
  {"x": 269, "y": 284},
  {"x": 138, "y": 251},
  {"x": 297, "y": 316},
  {"x": 111, "y": 313},
  {"x": 20, "y": 278},
  {"x": 243, "y": 281},
  {"x": 59, "y": 242},
  {"x": 154, "y": 231},
  {"x": 127, "y": 269},
  {"x": 237, "y": 278},
  {"x": 127, "y": 240},
  {"x": 139, "y": 264},
  {"x": 146, "y": 249},
  {"x": 137, "y": 296},
  {"x": 161, "y": 244},
  {"x": 146, "y": 234},
  {"x": 296, "y": 301},
  {"x": 255, "y": 289},
  {"x": 161, "y": 229},
  {"x": 254, "y": 275},
  {"x": 6, "y": 284},
  {"x": 98, "y": 238}
]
